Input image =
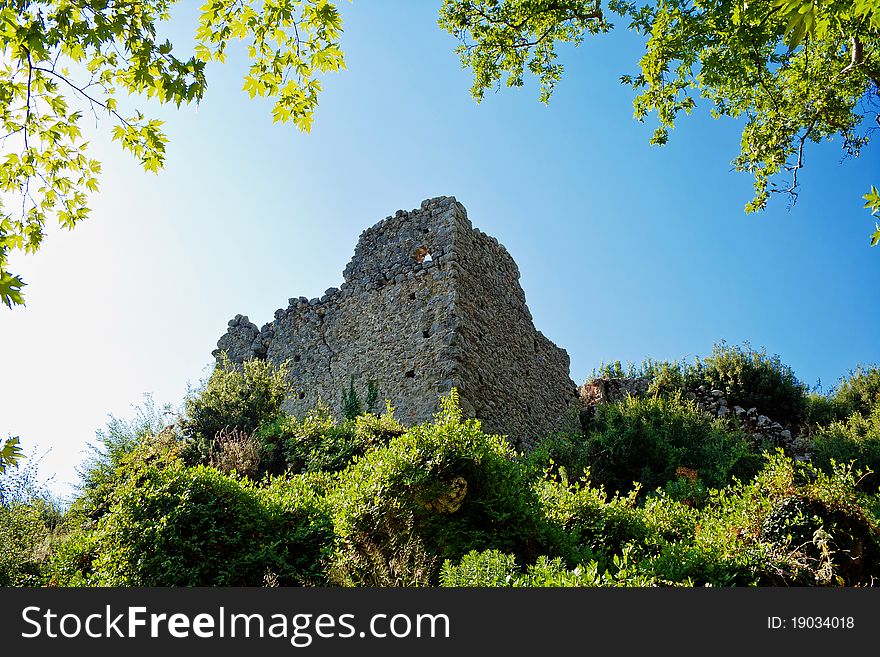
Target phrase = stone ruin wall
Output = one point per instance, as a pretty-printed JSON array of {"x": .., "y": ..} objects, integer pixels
[
  {"x": 418, "y": 328},
  {"x": 516, "y": 380}
]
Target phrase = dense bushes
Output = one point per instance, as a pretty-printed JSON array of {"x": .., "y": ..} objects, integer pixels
[
  {"x": 440, "y": 490},
  {"x": 747, "y": 377},
  {"x": 819, "y": 521},
  {"x": 493, "y": 568},
  {"x": 793, "y": 525},
  {"x": 750, "y": 378},
  {"x": 856, "y": 440},
  {"x": 654, "y": 441},
  {"x": 822, "y": 410},
  {"x": 173, "y": 525},
  {"x": 29, "y": 518},
  {"x": 860, "y": 391},
  {"x": 590, "y": 525},
  {"x": 235, "y": 422},
  {"x": 317, "y": 443},
  {"x": 146, "y": 436},
  {"x": 655, "y": 492},
  {"x": 234, "y": 397},
  {"x": 25, "y": 532},
  {"x": 120, "y": 438}
]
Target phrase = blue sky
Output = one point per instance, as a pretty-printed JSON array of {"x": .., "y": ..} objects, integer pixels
[{"x": 626, "y": 250}]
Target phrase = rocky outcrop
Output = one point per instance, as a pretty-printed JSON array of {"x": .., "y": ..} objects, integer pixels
[{"x": 611, "y": 390}]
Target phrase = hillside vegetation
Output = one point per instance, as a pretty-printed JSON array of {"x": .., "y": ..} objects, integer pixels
[{"x": 648, "y": 490}]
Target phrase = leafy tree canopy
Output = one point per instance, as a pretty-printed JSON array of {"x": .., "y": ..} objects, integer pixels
[
  {"x": 798, "y": 71},
  {"x": 61, "y": 58}
]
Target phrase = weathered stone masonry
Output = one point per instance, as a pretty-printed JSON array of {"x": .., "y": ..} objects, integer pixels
[{"x": 428, "y": 303}]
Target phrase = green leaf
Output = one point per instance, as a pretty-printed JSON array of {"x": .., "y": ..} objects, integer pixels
[
  {"x": 10, "y": 453},
  {"x": 10, "y": 290},
  {"x": 873, "y": 200}
]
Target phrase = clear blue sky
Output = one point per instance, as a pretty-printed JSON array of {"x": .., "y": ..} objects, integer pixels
[{"x": 626, "y": 250}]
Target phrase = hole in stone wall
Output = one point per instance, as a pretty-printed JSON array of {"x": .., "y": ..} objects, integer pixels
[
  {"x": 422, "y": 254},
  {"x": 296, "y": 358},
  {"x": 426, "y": 334},
  {"x": 302, "y": 395},
  {"x": 412, "y": 296},
  {"x": 410, "y": 374}
]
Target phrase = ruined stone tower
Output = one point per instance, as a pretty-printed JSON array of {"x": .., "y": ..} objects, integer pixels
[{"x": 428, "y": 303}]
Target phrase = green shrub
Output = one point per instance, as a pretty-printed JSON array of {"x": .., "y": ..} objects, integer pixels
[
  {"x": 445, "y": 488},
  {"x": 239, "y": 397},
  {"x": 822, "y": 410},
  {"x": 330, "y": 451},
  {"x": 712, "y": 545},
  {"x": 623, "y": 572},
  {"x": 651, "y": 440},
  {"x": 702, "y": 564},
  {"x": 618, "y": 535},
  {"x": 750, "y": 378},
  {"x": 25, "y": 533},
  {"x": 29, "y": 518},
  {"x": 490, "y": 568},
  {"x": 792, "y": 525},
  {"x": 857, "y": 441},
  {"x": 193, "y": 526},
  {"x": 318, "y": 443},
  {"x": 374, "y": 429},
  {"x": 588, "y": 524},
  {"x": 74, "y": 552},
  {"x": 860, "y": 391},
  {"x": 614, "y": 370},
  {"x": 391, "y": 554},
  {"x": 871, "y": 505},
  {"x": 120, "y": 438},
  {"x": 148, "y": 450},
  {"x": 351, "y": 402},
  {"x": 690, "y": 490},
  {"x": 315, "y": 444},
  {"x": 547, "y": 572},
  {"x": 495, "y": 569},
  {"x": 823, "y": 528},
  {"x": 836, "y": 545},
  {"x": 666, "y": 378},
  {"x": 559, "y": 454},
  {"x": 747, "y": 377}
]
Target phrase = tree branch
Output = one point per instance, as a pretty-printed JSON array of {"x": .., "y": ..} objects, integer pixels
[
  {"x": 800, "y": 157},
  {"x": 27, "y": 115},
  {"x": 82, "y": 91},
  {"x": 857, "y": 57}
]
